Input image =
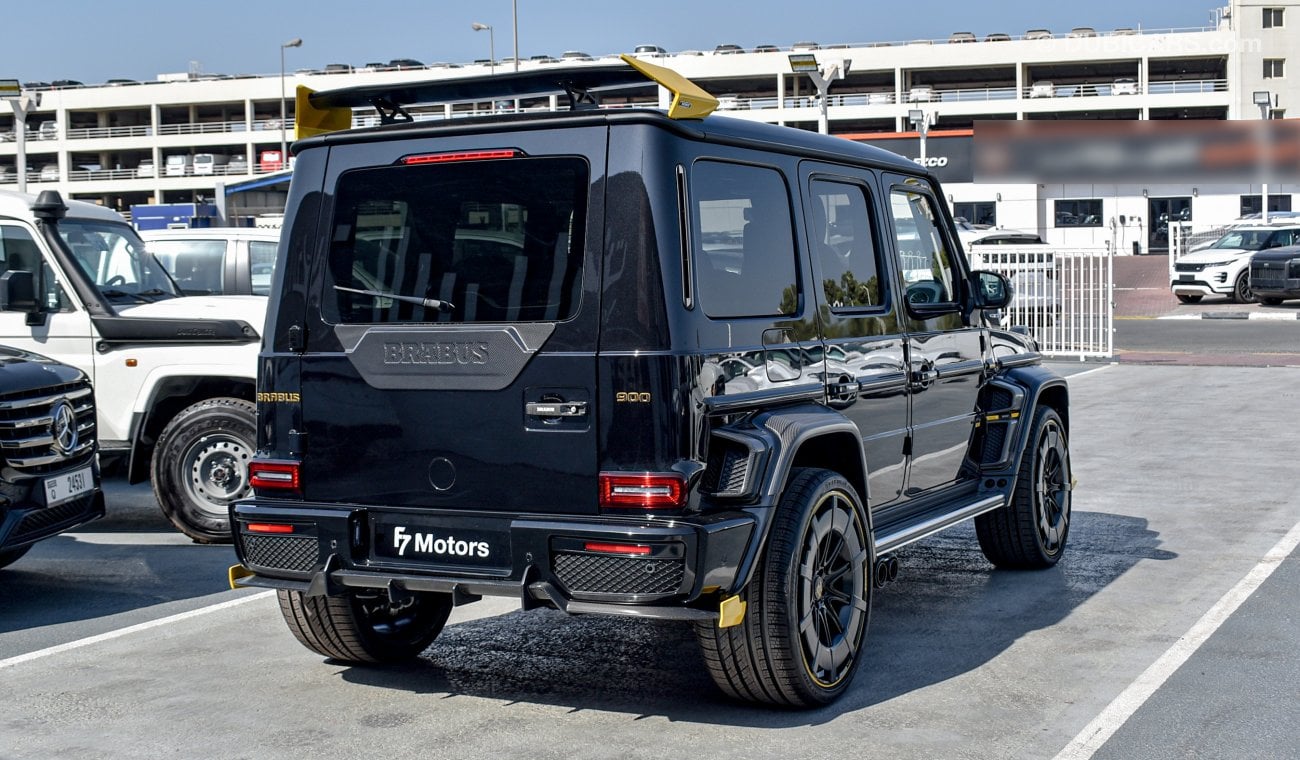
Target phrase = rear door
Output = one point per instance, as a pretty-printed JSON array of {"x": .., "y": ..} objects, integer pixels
[
  {"x": 863, "y": 363},
  {"x": 450, "y": 350}
]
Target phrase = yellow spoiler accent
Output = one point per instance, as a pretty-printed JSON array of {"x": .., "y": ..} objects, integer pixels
[
  {"x": 235, "y": 573},
  {"x": 731, "y": 611},
  {"x": 309, "y": 121},
  {"x": 690, "y": 101}
]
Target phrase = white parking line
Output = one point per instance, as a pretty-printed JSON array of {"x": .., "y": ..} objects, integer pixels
[
  {"x": 1089, "y": 371},
  {"x": 1117, "y": 713},
  {"x": 110, "y": 635}
]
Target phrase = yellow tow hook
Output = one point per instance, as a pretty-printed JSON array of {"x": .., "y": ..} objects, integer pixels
[
  {"x": 235, "y": 573},
  {"x": 731, "y": 611}
]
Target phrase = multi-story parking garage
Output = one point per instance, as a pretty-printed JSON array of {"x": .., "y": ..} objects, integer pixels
[{"x": 175, "y": 139}]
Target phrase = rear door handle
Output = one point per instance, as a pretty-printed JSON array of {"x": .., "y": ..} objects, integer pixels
[{"x": 555, "y": 409}]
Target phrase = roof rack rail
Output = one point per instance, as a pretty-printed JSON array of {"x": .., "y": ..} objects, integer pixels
[{"x": 331, "y": 111}]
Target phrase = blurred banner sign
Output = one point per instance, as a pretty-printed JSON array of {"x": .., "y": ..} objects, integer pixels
[{"x": 1137, "y": 151}]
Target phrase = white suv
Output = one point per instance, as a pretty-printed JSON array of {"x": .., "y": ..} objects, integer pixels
[{"x": 1223, "y": 268}]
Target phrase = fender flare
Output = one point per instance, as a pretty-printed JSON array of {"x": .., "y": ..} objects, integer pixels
[
  {"x": 777, "y": 439},
  {"x": 1036, "y": 386}
]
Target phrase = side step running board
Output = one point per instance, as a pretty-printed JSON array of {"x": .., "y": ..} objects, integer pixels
[{"x": 894, "y": 537}]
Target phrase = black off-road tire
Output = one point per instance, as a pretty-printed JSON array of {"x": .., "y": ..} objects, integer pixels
[
  {"x": 10, "y": 556},
  {"x": 1031, "y": 531},
  {"x": 364, "y": 626},
  {"x": 809, "y": 602},
  {"x": 200, "y": 465},
  {"x": 1184, "y": 298}
]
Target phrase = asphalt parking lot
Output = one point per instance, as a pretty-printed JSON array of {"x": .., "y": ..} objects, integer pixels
[{"x": 1168, "y": 631}]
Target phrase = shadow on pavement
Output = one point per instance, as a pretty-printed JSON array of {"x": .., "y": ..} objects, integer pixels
[
  {"x": 949, "y": 613},
  {"x": 66, "y": 579}
]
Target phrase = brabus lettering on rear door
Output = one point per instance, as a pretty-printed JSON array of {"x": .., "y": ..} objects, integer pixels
[{"x": 436, "y": 353}]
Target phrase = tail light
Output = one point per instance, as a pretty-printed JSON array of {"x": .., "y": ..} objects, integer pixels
[
  {"x": 633, "y": 549},
  {"x": 275, "y": 477},
  {"x": 648, "y": 490}
]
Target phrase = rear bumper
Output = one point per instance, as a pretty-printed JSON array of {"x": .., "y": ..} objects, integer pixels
[{"x": 683, "y": 564}]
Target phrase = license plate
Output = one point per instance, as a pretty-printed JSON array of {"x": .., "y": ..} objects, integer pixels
[
  {"x": 68, "y": 485},
  {"x": 461, "y": 544},
  {"x": 1186, "y": 277}
]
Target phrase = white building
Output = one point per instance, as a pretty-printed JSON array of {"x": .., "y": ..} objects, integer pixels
[{"x": 132, "y": 143}]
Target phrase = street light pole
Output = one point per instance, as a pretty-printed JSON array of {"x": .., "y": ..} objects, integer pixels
[
  {"x": 492, "y": 43},
  {"x": 1263, "y": 99},
  {"x": 921, "y": 121},
  {"x": 22, "y": 103},
  {"x": 514, "y": 9},
  {"x": 284, "y": 137}
]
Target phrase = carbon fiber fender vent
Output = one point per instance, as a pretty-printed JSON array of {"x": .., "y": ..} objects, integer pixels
[{"x": 728, "y": 468}]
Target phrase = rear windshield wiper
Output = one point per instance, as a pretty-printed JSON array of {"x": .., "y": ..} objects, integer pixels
[{"x": 431, "y": 303}]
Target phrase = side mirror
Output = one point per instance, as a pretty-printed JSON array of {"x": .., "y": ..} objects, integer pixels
[
  {"x": 992, "y": 290},
  {"x": 18, "y": 292}
]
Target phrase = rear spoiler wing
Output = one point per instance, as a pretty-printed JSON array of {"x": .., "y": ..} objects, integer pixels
[{"x": 331, "y": 111}]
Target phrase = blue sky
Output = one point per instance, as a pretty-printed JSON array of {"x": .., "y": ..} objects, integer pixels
[{"x": 91, "y": 40}]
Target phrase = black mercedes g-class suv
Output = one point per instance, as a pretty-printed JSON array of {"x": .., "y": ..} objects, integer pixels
[
  {"x": 49, "y": 479},
  {"x": 629, "y": 362}
]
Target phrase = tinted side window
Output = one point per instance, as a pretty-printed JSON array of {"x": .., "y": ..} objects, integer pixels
[
  {"x": 922, "y": 252},
  {"x": 19, "y": 252},
  {"x": 261, "y": 265},
  {"x": 472, "y": 241},
  {"x": 196, "y": 265},
  {"x": 744, "y": 241},
  {"x": 844, "y": 244}
]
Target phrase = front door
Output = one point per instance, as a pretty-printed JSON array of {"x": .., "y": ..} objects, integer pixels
[
  {"x": 944, "y": 353},
  {"x": 65, "y": 332}
]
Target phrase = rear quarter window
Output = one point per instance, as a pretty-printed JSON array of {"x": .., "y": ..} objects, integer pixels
[
  {"x": 743, "y": 240},
  {"x": 461, "y": 242}
]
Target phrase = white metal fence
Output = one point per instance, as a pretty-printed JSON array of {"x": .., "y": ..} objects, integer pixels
[{"x": 1064, "y": 296}]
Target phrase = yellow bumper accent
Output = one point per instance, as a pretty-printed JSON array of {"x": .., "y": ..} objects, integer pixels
[
  {"x": 236, "y": 572},
  {"x": 731, "y": 612}
]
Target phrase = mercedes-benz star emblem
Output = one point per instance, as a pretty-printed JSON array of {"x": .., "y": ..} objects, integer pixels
[{"x": 63, "y": 427}]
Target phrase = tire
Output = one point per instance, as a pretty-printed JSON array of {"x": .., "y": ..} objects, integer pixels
[
  {"x": 1270, "y": 301},
  {"x": 200, "y": 465},
  {"x": 1031, "y": 531},
  {"x": 1188, "y": 299},
  {"x": 363, "y": 626},
  {"x": 1241, "y": 289},
  {"x": 808, "y": 605},
  {"x": 10, "y": 556}
]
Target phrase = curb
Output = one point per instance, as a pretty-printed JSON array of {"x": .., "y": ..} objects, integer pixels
[{"x": 1256, "y": 315}]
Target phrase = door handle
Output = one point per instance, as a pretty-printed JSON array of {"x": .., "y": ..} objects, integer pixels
[{"x": 556, "y": 409}]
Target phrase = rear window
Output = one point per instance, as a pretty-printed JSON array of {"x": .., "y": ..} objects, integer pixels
[{"x": 472, "y": 241}]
